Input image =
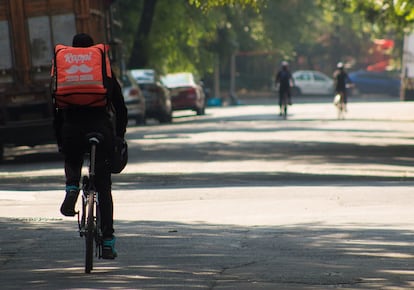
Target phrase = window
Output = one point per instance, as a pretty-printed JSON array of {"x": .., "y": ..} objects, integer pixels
[
  {"x": 44, "y": 33},
  {"x": 319, "y": 78},
  {"x": 303, "y": 77},
  {"x": 40, "y": 42},
  {"x": 6, "y": 56},
  {"x": 64, "y": 28}
]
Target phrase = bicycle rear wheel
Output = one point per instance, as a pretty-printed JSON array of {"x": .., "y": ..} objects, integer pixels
[
  {"x": 90, "y": 234},
  {"x": 285, "y": 106}
]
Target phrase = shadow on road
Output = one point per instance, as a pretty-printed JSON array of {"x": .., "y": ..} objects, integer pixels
[{"x": 166, "y": 255}]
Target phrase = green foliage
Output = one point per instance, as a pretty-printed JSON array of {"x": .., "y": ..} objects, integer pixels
[
  {"x": 206, "y": 5},
  {"x": 193, "y": 34},
  {"x": 384, "y": 15}
]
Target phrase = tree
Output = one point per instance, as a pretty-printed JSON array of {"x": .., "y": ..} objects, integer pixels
[
  {"x": 192, "y": 34},
  {"x": 140, "y": 51},
  {"x": 385, "y": 15},
  {"x": 140, "y": 47}
]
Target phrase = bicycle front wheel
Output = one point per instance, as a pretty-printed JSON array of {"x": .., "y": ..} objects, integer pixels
[{"x": 90, "y": 234}]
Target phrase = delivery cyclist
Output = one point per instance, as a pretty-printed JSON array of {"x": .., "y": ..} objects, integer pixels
[{"x": 72, "y": 124}]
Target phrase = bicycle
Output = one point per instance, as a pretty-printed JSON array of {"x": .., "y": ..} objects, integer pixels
[
  {"x": 89, "y": 220},
  {"x": 339, "y": 102},
  {"x": 284, "y": 105}
]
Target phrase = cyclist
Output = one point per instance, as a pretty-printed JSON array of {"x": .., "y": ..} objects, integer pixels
[
  {"x": 341, "y": 79},
  {"x": 71, "y": 126},
  {"x": 285, "y": 81}
]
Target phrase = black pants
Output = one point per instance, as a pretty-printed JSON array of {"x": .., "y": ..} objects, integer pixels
[
  {"x": 75, "y": 145},
  {"x": 282, "y": 92}
]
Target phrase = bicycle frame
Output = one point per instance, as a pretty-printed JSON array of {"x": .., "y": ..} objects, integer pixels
[{"x": 90, "y": 223}]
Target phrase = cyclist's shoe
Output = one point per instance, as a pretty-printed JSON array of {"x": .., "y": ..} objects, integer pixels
[
  {"x": 108, "y": 248},
  {"x": 68, "y": 205}
]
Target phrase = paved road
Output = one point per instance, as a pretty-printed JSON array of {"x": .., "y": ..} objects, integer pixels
[{"x": 236, "y": 199}]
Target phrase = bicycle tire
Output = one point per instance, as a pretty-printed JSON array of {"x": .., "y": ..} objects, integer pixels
[
  {"x": 285, "y": 105},
  {"x": 90, "y": 234},
  {"x": 341, "y": 108}
]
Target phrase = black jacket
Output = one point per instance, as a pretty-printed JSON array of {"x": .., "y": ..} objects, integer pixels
[
  {"x": 116, "y": 107},
  {"x": 341, "y": 78}
]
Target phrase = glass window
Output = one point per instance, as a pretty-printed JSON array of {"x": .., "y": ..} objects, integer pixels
[
  {"x": 303, "y": 77},
  {"x": 64, "y": 28},
  {"x": 5, "y": 49},
  {"x": 319, "y": 78},
  {"x": 40, "y": 42}
]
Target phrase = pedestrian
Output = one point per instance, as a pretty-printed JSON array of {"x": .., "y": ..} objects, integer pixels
[
  {"x": 72, "y": 123},
  {"x": 284, "y": 80}
]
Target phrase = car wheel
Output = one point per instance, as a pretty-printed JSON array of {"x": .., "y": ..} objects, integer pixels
[
  {"x": 165, "y": 118},
  {"x": 201, "y": 111}
]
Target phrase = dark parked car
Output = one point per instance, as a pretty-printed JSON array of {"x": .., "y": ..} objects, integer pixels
[
  {"x": 368, "y": 82},
  {"x": 186, "y": 93},
  {"x": 157, "y": 96},
  {"x": 134, "y": 98},
  {"x": 158, "y": 102}
]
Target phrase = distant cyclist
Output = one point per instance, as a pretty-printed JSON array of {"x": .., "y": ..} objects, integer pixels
[
  {"x": 285, "y": 81},
  {"x": 341, "y": 79}
]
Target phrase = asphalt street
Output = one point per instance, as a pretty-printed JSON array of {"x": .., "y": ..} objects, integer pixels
[{"x": 235, "y": 199}]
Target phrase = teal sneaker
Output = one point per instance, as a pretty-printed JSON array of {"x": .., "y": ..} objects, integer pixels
[{"x": 108, "y": 249}]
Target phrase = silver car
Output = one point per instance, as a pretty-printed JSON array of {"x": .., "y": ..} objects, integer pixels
[
  {"x": 310, "y": 82},
  {"x": 134, "y": 99}
]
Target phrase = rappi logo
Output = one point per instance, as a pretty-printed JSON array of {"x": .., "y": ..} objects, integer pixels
[{"x": 76, "y": 59}]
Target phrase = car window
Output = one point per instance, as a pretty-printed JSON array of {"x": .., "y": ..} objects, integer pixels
[
  {"x": 177, "y": 79},
  {"x": 303, "y": 77},
  {"x": 319, "y": 78},
  {"x": 126, "y": 81}
]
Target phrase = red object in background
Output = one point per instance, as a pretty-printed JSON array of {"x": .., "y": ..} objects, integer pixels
[
  {"x": 380, "y": 57},
  {"x": 379, "y": 66},
  {"x": 384, "y": 43}
]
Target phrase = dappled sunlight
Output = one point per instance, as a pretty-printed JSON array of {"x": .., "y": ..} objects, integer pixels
[
  {"x": 195, "y": 255},
  {"x": 322, "y": 203}
]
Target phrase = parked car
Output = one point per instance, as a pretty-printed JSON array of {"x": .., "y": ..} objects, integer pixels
[
  {"x": 186, "y": 93},
  {"x": 157, "y": 96},
  {"x": 310, "y": 82},
  {"x": 369, "y": 82},
  {"x": 134, "y": 98}
]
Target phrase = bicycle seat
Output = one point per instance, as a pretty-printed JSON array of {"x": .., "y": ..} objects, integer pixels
[{"x": 95, "y": 137}]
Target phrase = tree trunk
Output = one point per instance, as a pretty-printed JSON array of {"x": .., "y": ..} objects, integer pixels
[{"x": 139, "y": 53}]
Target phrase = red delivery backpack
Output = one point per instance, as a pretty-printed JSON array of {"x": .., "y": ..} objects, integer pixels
[{"x": 81, "y": 76}]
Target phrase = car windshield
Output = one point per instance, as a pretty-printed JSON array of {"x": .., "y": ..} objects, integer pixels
[
  {"x": 126, "y": 81},
  {"x": 302, "y": 76},
  {"x": 178, "y": 79},
  {"x": 319, "y": 77}
]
